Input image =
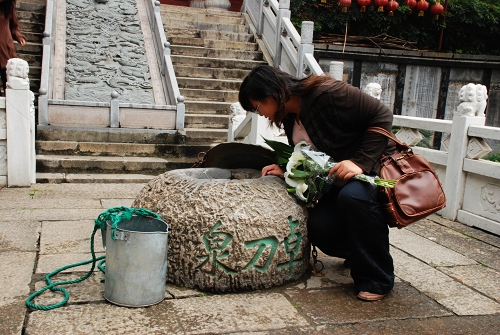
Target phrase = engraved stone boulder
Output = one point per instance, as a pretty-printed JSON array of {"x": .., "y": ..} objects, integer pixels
[{"x": 230, "y": 230}]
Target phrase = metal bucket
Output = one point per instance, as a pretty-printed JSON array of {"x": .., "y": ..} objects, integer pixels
[{"x": 136, "y": 262}]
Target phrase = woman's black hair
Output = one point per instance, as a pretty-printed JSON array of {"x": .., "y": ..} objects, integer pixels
[
  {"x": 268, "y": 82},
  {"x": 7, "y": 6}
]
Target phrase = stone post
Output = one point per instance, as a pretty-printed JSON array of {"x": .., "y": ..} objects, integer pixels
[
  {"x": 114, "y": 110},
  {"x": 306, "y": 38},
  {"x": 336, "y": 70},
  {"x": 3, "y": 144},
  {"x": 283, "y": 11},
  {"x": 469, "y": 112},
  {"x": 20, "y": 122}
]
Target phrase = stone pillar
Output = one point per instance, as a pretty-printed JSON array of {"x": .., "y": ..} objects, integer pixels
[
  {"x": 197, "y": 3},
  {"x": 20, "y": 125},
  {"x": 223, "y": 5}
]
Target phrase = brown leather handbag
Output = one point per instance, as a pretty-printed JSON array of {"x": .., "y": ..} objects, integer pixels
[{"x": 418, "y": 192}]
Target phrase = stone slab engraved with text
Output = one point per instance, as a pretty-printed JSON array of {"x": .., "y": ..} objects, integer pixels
[
  {"x": 421, "y": 91},
  {"x": 105, "y": 52}
]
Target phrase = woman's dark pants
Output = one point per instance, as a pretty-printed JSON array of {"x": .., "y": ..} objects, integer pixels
[{"x": 349, "y": 223}]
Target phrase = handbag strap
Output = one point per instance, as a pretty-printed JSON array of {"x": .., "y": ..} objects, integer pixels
[{"x": 401, "y": 146}]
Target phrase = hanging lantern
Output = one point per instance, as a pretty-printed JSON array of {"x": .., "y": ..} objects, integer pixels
[
  {"x": 381, "y": 4},
  {"x": 344, "y": 4},
  {"x": 323, "y": 1},
  {"x": 363, "y": 4},
  {"x": 411, "y": 4},
  {"x": 421, "y": 6},
  {"x": 392, "y": 6},
  {"x": 436, "y": 10}
]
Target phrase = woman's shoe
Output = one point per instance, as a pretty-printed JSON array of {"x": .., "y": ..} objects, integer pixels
[{"x": 367, "y": 296}]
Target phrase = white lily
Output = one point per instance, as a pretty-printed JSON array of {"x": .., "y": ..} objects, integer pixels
[
  {"x": 300, "y": 189},
  {"x": 292, "y": 182},
  {"x": 295, "y": 160}
]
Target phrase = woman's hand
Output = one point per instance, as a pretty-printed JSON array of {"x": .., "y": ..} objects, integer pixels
[
  {"x": 272, "y": 170},
  {"x": 22, "y": 41},
  {"x": 345, "y": 170}
]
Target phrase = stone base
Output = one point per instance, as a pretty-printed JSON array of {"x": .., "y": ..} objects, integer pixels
[{"x": 230, "y": 230}]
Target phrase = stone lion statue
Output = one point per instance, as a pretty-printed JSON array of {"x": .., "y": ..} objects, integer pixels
[
  {"x": 374, "y": 90},
  {"x": 17, "y": 74},
  {"x": 472, "y": 100}
]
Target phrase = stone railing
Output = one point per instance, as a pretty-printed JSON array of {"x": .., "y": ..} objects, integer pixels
[
  {"x": 17, "y": 128},
  {"x": 289, "y": 51},
  {"x": 164, "y": 109}
]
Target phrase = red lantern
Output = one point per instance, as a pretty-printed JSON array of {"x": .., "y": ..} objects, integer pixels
[
  {"x": 344, "y": 4},
  {"x": 381, "y": 4},
  {"x": 392, "y": 6},
  {"x": 363, "y": 4},
  {"x": 421, "y": 6},
  {"x": 436, "y": 10},
  {"x": 411, "y": 4}
]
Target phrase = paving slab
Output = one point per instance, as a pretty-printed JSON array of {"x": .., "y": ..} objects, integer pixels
[
  {"x": 471, "y": 231},
  {"x": 110, "y": 203},
  {"x": 178, "y": 292},
  {"x": 473, "y": 325},
  {"x": 200, "y": 315},
  {"x": 15, "y": 275},
  {"x": 78, "y": 191},
  {"x": 12, "y": 317},
  {"x": 19, "y": 235},
  {"x": 43, "y": 203},
  {"x": 461, "y": 242},
  {"x": 49, "y": 263},
  {"x": 425, "y": 249},
  {"x": 479, "y": 277},
  {"x": 70, "y": 237},
  {"x": 49, "y": 214},
  {"x": 338, "y": 305},
  {"x": 453, "y": 295}
]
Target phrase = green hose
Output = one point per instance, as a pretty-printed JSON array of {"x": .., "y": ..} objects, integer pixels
[{"x": 114, "y": 215}]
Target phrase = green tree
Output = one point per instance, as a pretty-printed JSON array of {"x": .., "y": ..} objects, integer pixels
[{"x": 471, "y": 26}]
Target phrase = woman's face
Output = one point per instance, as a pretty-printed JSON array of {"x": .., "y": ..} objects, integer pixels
[{"x": 266, "y": 107}]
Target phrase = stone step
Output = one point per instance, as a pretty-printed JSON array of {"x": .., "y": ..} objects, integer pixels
[
  {"x": 215, "y": 62},
  {"x": 124, "y": 135},
  {"x": 31, "y": 16},
  {"x": 31, "y": 6},
  {"x": 199, "y": 14},
  {"x": 108, "y": 135},
  {"x": 208, "y": 84},
  {"x": 202, "y": 135},
  {"x": 30, "y": 48},
  {"x": 206, "y": 121},
  {"x": 208, "y": 107},
  {"x": 212, "y": 95},
  {"x": 195, "y": 51},
  {"x": 32, "y": 27},
  {"x": 208, "y": 34},
  {"x": 184, "y": 70},
  {"x": 109, "y": 164},
  {"x": 33, "y": 37},
  {"x": 119, "y": 149},
  {"x": 84, "y": 178},
  {"x": 177, "y": 23},
  {"x": 214, "y": 44}
]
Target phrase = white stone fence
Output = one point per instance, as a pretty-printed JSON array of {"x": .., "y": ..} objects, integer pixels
[
  {"x": 289, "y": 51},
  {"x": 17, "y": 128}
]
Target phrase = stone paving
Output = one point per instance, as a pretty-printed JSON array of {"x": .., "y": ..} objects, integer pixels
[{"x": 448, "y": 279}]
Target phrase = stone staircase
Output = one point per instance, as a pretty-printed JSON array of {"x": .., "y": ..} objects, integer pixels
[
  {"x": 211, "y": 52},
  {"x": 31, "y": 15}
]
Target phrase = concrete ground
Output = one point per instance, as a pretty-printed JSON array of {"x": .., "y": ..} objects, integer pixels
[{"x": 448, "y": 280}]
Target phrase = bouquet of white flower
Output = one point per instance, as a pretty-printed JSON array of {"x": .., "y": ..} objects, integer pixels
[{"x": 307, "y": 171}]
